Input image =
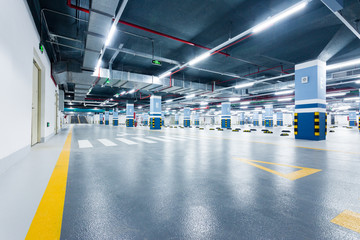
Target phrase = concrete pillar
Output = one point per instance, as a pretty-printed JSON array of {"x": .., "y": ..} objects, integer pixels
[
  {"x": 115, "y": 117},
  {"x": 269, "y": 116},
  {"x": 107, "y": 117},
  {"x": 145, "y": 119},
  {"x": 310, "y": 119},
  {"x": 155, "y": 112},
  {"x": 187, "y": 114},
  {"x": 256, "y": 118},
  {"x": 279, "y": 119},
  {"x": 129, "y": 115},
  {"x": 225, "y": 115},
  {"x": 242, "y": 118},
  {"x": 352, "y": 119},
  {"x": 196, "y": 119},
  {"x": 101, "y": 118},
  {"x": 176, "y": 119}
]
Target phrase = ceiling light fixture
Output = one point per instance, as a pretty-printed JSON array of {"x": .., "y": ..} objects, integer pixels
[
  {"x": 343, "y": 64},
  {"x": 244, "y": 107},
  {"x": 190, "y": 96},
  {"x": 234, "y": 99},
  {"x": 245, "y": 103},
  {"x": 203, "y": 103},
  {"x": 244, "y": 85},
  {"x": 336, "y": 94},
  {"x": 284, "y": 92},
  {"x": 131, "y": 91},
  {"x": 169, "y": 101},
  {"x": 271, "y": 21},
  {"x": 351, "y": 99},
  {"x": 122, "y": 93},
  {"x": 200, "y": 58},
  {"x": 358, "y": 82},
  {"x": 165, "y": 75},
  {"x": 111, "y": 34},
  {"x": 284, "y": 99}
]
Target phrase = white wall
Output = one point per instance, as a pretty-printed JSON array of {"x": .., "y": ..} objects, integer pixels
[{"x": 19, "y": 43}]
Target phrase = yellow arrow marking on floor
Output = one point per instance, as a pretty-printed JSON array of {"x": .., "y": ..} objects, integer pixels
[
  {"x": 48, "y": 217},
  {"x": 303, "y": 172},
  {"x": 349, "y": 220}
]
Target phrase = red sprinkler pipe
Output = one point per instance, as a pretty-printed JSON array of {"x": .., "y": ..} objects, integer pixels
[
  {"x": 76, "y": 7},
  {"x": 148, "y": 30}
]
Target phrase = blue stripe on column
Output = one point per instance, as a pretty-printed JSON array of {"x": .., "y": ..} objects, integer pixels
[{"x": 314, "y": 105}]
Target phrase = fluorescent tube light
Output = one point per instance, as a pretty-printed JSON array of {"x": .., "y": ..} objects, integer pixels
[
  {"x": 203, "y": 103},
  {"x": 165, "y": 75},
  {"x": 336, "y": 94},
  {"x": 200, "y": 58},
  {"x": 358, "y": 82},
  {"x": 245, "y": 103},
  {"x": 284, "y": 99},
  {"x": 169, "y": 101},
  {"x": 234, "y": 99},
  {"x": 122, "y": 93},
  {"x": 111, "y": 35},
  {"x": 284, "y": 92},
  {"x": 271, "y": 21},
  {"x": 244, "y": 107},
  {"x": 140, "y": 107},
  {"x": 131, "y": 91},
  {"x": 245, "y": 85},
  {"x": 351, "y": 99},
  {"x": 98, "y": 65},
  {"x": 343, "y": 64},
  {"x": 190, "y": 96}
]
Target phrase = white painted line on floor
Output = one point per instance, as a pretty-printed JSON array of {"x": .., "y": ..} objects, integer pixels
[
  {"x": 107, "y": 142},
  {"x": 185, "y": 137},
  {"x": 160, "y": 139},
  {"x": 174, "y": 138},
  {"x": 143, "y": 140},
  {"x": 129, "y": 142},
  {"x": 84, "y": 144}
]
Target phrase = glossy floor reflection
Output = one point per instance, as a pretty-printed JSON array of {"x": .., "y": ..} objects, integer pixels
[{"x": 192, "y": 185}]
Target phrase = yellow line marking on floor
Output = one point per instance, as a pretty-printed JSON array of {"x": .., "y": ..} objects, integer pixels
[
  {"x": 349, "y": 220},
  {"x": 303, "y": 172},
  {"x": 46, "y": 223}
]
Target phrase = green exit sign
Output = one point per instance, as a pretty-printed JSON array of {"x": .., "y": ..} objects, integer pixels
[{"x": 156, "y": 62}]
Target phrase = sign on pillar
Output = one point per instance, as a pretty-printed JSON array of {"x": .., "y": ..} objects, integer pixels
[
  {"x": 187, "y": 117},
  {"x": 352, "y": 119},
  {"x": 115, "y": 117},
  {"x": 269, "y": 116},
  {"x": 101, "y": 116},
  {"x": 176, "y": 119},
  {"x": 256, "y": 118},
  {"x": 155, "y": 112},
  {"x": 129, "y": 115},
  {"x": 225, "y": 115},
  {"x": 279, "y": 119},
  {"x": 196, "y": 119},
  {"x": 242, "y": 118},
  {"x": 310, "y": 119}
]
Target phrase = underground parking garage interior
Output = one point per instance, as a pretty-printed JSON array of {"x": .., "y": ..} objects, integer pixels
[{"x": 139, "y": 119}]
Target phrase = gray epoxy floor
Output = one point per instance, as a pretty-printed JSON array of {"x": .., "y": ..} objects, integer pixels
[{"x": 197, "y": 189}]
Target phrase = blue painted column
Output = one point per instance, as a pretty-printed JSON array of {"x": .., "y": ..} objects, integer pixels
[
  {"x": 352, "y": 119},
  {"x": 101, "y": 118},
  {"x": 107, "y": 117},
  {"x": 310, "y": 119},
  {"x": 115, "y": 117},
  {"x": 279, "y": 119},
  {"x": 176, "y": 119},
  {"x": 225, "y": 115},
  {"x": 129, "y": 115},
  {"x": 242, "y": 118},
  {"x": 145, "y": 119},
  {"x": 269, "y": 116},
  {"x": 256, "y": 118},
  {"x": 187, "y": 114},
  {"x": 196, "y": 119},
  {"x": 155, "y": 112}
]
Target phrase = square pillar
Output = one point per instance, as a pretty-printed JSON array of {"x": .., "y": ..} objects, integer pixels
[
  {"x": 101, "y": 118},
  {"x": 268, "y": 116},
  {"x": 115, "y": 117},
  {"x": 196, "y": 119},
  {"x": 310, "y": 119},
  {"x": 352, "y": 119},
  {"x": 225, "y": 115},
  {"x": 279, "y": 119},
  {"x": 242, "y": 118},
  {"x": 256, "y": 118},
  {"x": 155, "y": 113},
  {"x": 187, "y": 117},
  {"x": 129, "y": 115},
  {"x": 176, "y": 119}
]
